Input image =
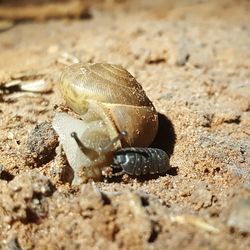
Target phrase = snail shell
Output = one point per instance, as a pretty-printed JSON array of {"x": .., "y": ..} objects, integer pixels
[{"x": 115, "y": 96}]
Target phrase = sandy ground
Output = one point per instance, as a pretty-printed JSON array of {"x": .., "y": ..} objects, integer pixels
[{"x": 193, "y": 60}]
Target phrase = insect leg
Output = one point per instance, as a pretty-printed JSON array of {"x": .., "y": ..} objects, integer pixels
[{"x": 118, "y": 173}]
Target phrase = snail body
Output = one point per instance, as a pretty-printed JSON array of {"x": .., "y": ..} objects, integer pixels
[{"x": 108, "y": 100}]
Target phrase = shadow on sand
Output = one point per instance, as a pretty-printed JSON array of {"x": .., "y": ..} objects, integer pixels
[{"x": 166, "y": 137}]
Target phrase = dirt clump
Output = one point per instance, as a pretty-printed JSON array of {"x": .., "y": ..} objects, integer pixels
[{"x": 41, "y": 144}]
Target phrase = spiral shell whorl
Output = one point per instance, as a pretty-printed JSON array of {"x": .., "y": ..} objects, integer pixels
[
  {"x": 115, "y": 92},
  {"x": 105, "y": 83}
]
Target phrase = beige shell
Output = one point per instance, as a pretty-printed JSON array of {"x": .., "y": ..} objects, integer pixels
[{"x": 116, "y": 95}]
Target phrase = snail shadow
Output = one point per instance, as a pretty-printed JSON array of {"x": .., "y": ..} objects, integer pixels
[{"x": 166, "y": 136}]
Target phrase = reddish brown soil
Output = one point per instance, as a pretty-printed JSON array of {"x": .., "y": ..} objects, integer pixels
[{"x": 193, "y": 60}]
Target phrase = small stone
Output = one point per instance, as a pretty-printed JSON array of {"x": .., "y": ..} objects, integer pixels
[
  {"x": 239, "y": 217},
  {"x": 41, "y": 144}
]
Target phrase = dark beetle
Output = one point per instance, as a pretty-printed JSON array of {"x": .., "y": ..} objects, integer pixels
[
  {"x": 141, "y": 161},
  {"x": 132, "y": 161}
]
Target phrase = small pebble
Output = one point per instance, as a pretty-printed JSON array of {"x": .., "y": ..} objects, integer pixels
[{"x": 41, "y": 144}]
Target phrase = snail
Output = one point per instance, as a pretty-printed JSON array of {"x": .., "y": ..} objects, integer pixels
[
  {"x": 133, "y": 161},
  {"x": 108, "y": 100}
]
